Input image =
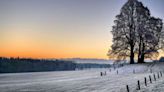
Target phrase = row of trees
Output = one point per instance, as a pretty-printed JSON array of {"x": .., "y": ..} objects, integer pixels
[
  {"x": 136, "y": 34},
  {"x": 13, "y": 65}
]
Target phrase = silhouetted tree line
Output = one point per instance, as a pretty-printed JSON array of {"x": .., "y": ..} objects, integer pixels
[
  {"x": 9, "y": 65},
  {"x": 13, "y": 65}
]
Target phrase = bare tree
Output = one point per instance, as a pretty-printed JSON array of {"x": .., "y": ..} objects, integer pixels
[
  {"x": 151, "y": 40},
  {"x": 136, "y": 33},
  {"x": 124, "y": 35}
]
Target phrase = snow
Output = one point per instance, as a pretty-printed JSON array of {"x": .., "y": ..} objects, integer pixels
[
  {"x": 92, "y": 61},
  {"x": 84, "y": 80}
]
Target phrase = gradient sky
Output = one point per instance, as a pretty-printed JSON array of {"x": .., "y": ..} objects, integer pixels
[{"x": 61, "y": 28}]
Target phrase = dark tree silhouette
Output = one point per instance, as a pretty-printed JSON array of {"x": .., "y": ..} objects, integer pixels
[
  {"x": 136, "y": 33},
  {"x": 124, "y": 37},
  {"x": 13, "y": 65},
  {"x": 150, "y": 39}
]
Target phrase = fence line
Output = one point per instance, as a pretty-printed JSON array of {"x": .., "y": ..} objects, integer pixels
[{"x": 159, "y": 75}]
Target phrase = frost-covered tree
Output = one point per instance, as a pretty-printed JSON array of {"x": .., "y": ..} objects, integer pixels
[
  {"x": 142, "y": 20},
  {"x": 150, "y": 39},
  {"x": 148, "y": 34},
  {"x": 136, "y": 33},
  {"x": 124, "y": 32}
]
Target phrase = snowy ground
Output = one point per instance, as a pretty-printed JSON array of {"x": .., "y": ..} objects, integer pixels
[
  {"x": 84, "y": 80},
  {"x": 91, "y": 61}
]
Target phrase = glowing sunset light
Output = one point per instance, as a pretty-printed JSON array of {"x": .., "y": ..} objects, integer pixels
[{"x": 60, "y": 28}]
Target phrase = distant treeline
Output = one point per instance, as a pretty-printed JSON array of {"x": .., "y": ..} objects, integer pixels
[
  {"x": 13, "y": 65},
  {"x": 9, "y": 65}
]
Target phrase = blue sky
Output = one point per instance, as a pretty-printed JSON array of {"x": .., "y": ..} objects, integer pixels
[{"x": 61, "y": 28}]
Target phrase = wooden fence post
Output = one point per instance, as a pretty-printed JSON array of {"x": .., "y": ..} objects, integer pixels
[
  {"x": 150, "y": 78},
  {"x": 101, "y": 74},
  {"x": 158, "y": 75},
  {"x": 117, "y": 71},
  {"x": 161, "y": 73},
  {"x": 145, "y": 82},
  {"x": 139, "y": 85},
  {"x": 154, "y": 77},
  {"x": 127, "y": 87}
]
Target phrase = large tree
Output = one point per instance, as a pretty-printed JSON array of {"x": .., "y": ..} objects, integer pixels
[
  {"x": 142, "y": 16},
  {"x": 124, "y": 32},
  {"x": 135, "y": 33},
  {"x": 150, "y": 39}
]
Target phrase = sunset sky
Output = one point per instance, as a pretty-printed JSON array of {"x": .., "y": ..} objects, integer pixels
[{"x": 61, "y": 28}]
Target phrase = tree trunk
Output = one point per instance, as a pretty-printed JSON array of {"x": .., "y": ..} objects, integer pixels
[
  {"x": 139, "y": 49},
  {"x": 141, "y": 59},
  {"x": 132, "y": 55},
  {"x": 131, "y": 45}
]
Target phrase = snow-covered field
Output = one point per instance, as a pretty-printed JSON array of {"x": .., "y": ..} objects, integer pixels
[
  {"x": 91, "y": 61},
  {"x": 84, "y": 80}
]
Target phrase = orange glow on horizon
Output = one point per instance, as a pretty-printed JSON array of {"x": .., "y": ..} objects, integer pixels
[
  {"x": 60, "y": 28},
  {"x": 56, "y": 50},
  {"x": 58, "y": 55},
  {"x": 23, "y": 41}
]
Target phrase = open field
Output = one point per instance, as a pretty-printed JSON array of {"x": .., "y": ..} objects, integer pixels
[{"x": 84, "y": 80}]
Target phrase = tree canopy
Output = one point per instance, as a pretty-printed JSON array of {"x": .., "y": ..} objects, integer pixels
[{"x": 136, "y": 33}]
